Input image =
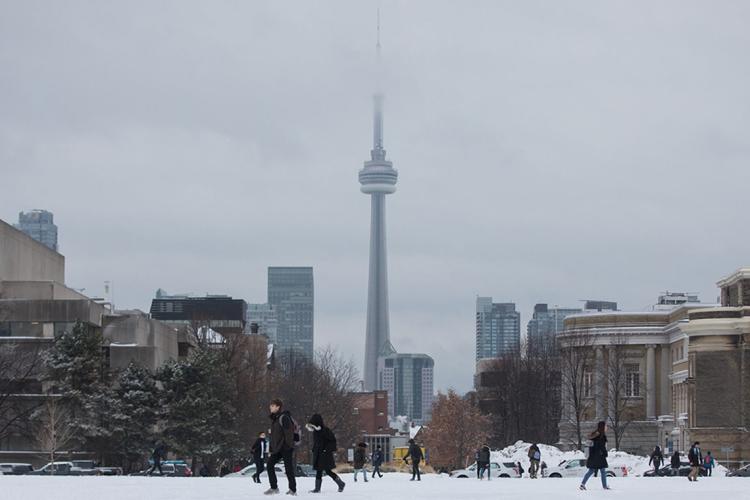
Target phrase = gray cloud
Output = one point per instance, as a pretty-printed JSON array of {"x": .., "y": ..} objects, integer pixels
[{"x": 547, "y": 151}]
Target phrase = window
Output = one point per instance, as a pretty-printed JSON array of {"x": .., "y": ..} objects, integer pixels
[
  {"x": 588, "y": 384},
  {"x": 632, "y": 381}
]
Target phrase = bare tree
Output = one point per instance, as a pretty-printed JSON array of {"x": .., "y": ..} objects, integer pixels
[
  {"x": 576, "y": 355},
  {"x": 617, "y": 373},
  {"x": 53, "y": 426},
  {"x": 19, "y": 372}
]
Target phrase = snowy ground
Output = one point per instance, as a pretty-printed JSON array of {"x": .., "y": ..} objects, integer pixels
[{"x": 391, "y": 487}]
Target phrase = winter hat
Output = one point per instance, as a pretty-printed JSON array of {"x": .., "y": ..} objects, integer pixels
[
  {"x": 411, "y": 441},
  {"x": 315, "y": 423}
]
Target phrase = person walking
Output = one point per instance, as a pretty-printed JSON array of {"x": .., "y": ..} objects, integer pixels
[
  {"x": 377, "y": 460},
  {"x": 360, "y": 459},
  {"x": 284, "y": 436},
  {"x": 708, "y": 463},
  {"x": 675, "y": 463},
  {"x": 476, "y": 460},
  {"x": 695, "y": 458},
  {"x": 597, "y": 460},
  {"x": 483, "y": 464},
  {"x": 259, "y": 450},
  {"x": 159, "y": 453},
  {"x": 535, "y": 455},
  {"x": 416, "y": 455},
  {"x": 657, "y": 459},
  {"x": 323, "y": 453}
]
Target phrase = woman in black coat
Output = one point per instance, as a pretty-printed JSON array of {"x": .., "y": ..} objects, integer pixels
[
  {"x": 597, "y": 461},
  {"x": 324, "y": 447}
]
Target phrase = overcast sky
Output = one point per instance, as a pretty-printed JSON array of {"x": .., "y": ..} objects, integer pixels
[{"x": 547, "y": 152}]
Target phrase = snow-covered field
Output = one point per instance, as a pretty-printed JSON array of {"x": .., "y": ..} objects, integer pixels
[{"x": 391, "y": 487}]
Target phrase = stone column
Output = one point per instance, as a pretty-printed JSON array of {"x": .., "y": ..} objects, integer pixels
[
  {"x": 599, "y": 388},
  {"x": 665, "y": 370},
  {"x": 611, "y": 372},
  {"x": 651, "y": 382}
]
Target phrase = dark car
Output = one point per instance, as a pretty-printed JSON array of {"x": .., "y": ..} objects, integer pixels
[
  {"x": 169, "y": 470},
  {"x": 741, "y": 472},
  {"x": 15, "y": 469},
  {"x": 304, "y": 470},
  {"x": 668, "y": 471}
]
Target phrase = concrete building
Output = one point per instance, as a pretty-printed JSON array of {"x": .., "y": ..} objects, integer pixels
[
  {"x": 675, "y": 374},
  {"x": 545, "y": 324},
  {"x": 40, "y": 225},
  {"x": 498, "y": 329},
  {"x": 262, "y": 319},
  {"x": 291, "y": 293},
  {"x": 409, "y": 381},
  {"x": 23, "y": 259}
]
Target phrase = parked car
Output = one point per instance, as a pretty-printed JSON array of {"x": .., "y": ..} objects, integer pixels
[
  {"x": 248, "y": 471},
  {"x": 304, "y": 470},
  {"x": 667, "y": 471},
  {"x": 62, "y": 469},
  {"x": 14, "y": 469},
  {"x": 741, "y": 472},
  {"x": 577, "y": 468},
  {"x": 497, "y": 469},
  {"x": 90, "y": 465}
]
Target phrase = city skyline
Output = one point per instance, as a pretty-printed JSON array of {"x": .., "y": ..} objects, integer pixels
[{"x": 553, "y": 154}]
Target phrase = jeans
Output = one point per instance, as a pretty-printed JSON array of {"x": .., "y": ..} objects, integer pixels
[
  {"x": 484, "y": 467},
  {"x": 708, "y": 470},
  {"x": 602, "y": 474},
  {"x": 363, "y": 471},
  {"x": 376, "y": 470},
  {"x": 259, "y": 468},
  {"x": 415, "y": 471},
  {"x": 157, "y": 465},
  {"x": 533, "y": 468},
  {"x": 288, "y": 458}
]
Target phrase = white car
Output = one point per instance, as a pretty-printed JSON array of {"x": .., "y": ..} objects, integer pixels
[
  {"x": 503, "y": 470},
  {"x": 577, "y": 468},
  {"x": 250, "y": 470}
]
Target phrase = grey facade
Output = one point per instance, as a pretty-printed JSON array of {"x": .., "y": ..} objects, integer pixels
[
  {"x": 409, "y": 381},
  {"x": 23, "y": 259},
  {"x": 545, "y": 324},
  {"x": 498, "y": 329},
  {"x": 291, "y": 293},
  {"x": 40, "y": 225},
  {"x": 262, "y": 319}
]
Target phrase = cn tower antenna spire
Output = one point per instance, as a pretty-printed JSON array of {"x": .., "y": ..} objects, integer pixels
[{"x": 378, "y": 152}]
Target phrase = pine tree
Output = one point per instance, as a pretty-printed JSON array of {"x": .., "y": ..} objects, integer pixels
[
  {"x": 197, "y": 415},
  {"x": 133, "y": 415}
]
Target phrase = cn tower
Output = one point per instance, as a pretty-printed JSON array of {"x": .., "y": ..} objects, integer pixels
[{"x": 377, "y": 178}]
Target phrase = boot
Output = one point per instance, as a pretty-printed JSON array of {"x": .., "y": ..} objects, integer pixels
[
  {"x": 318, "y": 484},
  {"x": 341, "y": 484},
  {"x": 271, "y": 491}
]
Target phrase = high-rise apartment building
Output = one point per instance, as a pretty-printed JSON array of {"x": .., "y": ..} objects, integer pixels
[
  {"x": 40, "y": 225},
  {"x": 498, "y": 329},
  {"x": 545, "y": 324},
  {"x": 262, "y": 319},
  {"x": 408, "y": 379},
  {"x": 291, "y": 295}
]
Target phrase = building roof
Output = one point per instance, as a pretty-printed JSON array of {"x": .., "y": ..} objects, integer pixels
[{"x": 742, "y": 273}]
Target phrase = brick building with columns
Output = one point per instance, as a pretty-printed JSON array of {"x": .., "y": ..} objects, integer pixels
[{"x": 673, "y": 375}]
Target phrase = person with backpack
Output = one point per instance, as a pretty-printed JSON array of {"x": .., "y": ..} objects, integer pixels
[
  {"x": 708, "y": 463},
  {"x": 323, "y": 453},
  {"x": 695, "y": 458},
  {"x": 360, "y": 459},
  {"x": 535, "y": 456},
  {"x": 483, "y": 464},
  {"x": 259, "y": 449},
  {"x": 675, "y": 463},
  {"x": 377, "y": 460},
  {"x": 159, "y": 453},
  {"x": 657, "y": 459},
  {"x": 285, "y": 436},
  {"x": 597, "y": 460},
  {"x": 416, "y": 455}
]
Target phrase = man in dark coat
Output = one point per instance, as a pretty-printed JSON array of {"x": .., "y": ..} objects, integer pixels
[
  {"x": 260, "y": 454},
  {"x": 159, "y": 453},
  {"x": 695, "y": 457},
  {"x": 323, "y": 450},
  {"x": 657, "y": 459},
  {"x": 377, "y": 460},
  {"x": 282, "y": 447},
  {"x": 416, "y": 455},
  {"x": 360, "y": 459},
  {"x": 535, "y": 456},
  {"x": 483, "y": 462},
  {"x": 675, "y": 463}
]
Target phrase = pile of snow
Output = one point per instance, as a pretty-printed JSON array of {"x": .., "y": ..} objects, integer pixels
[{"x": 553, "y": 456}]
